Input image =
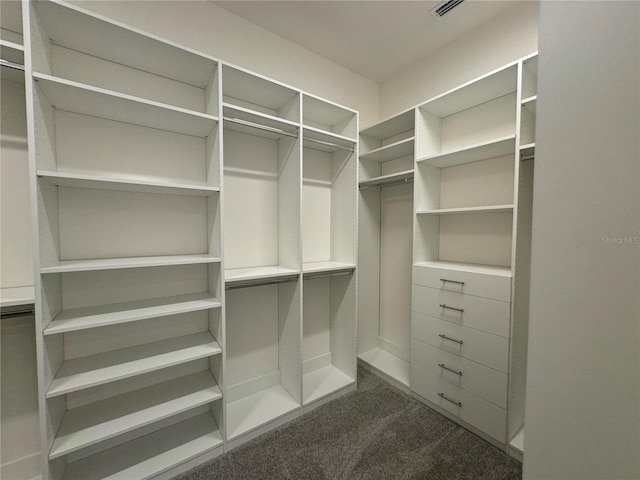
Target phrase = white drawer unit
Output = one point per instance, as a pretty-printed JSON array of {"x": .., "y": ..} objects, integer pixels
[
  {"x": 482, "y": 381},
  {"x": 481, "y": 347},
  {"x": 481, "y": 313},
  {"x": 470, "y": 408},
  {"x": 484, "y": 282}
]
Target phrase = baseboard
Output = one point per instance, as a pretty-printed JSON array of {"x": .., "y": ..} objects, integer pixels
[
  {"x": 387, "y": 378},
  {"x": 23, "y": 468}
]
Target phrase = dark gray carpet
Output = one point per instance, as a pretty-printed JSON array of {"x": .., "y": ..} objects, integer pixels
[{"x": 376, "y": 432}]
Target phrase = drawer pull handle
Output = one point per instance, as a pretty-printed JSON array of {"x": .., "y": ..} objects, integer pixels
[
  {"x": 446, "y": 280},
  {"x": 444, "y": 367},
  {"x": 450, "y": 339},
  {"x": 443, "y": 396},
  {"x": 444, "y": 305}
]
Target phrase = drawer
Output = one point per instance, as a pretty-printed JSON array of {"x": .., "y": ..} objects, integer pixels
[
  {"x": 481, "y": 347},
  {"x": 484, "y": 285},
  {"x": 481, "y": 313},
  {"x": 482, "y": 381},
  {"x": 474, "y": 410}
]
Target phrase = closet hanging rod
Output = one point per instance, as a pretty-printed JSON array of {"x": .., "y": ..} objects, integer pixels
[
  {"x": 25, "y": 312},
  {"x": 388, "y": 184},
  {"x": 258, "y": 126},
  {"x": 524, "y": 158},
  {"x": 260, "y": 283},
  {"x": 8, "y": 64},
  {"x": 340, "y": 273},
  {"x": 330, "y": 144}
]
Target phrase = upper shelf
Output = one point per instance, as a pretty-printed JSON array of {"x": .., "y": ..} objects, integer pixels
[
  {"x": 75, "y": 180},
  {"x": 98, "y": 102},
  {"x": 476, "y": 92},
  {"x": 474, "y": 153},
  {"x": 398, "y": 177},
  {"x": 327, "y": 267},
  {"x": 329, "y": 117},
  {"x": 395, "y": 150},
  {"x": 81, "y": 30},
  {"x": 326, "y": 141},
  {"x": 244, "y": 120},
  {"x": 237, "y": 275},
  {"x": 530, "y": 103},
  {"x": 118, "y": 263},
  {"x": 467, "y": 210},
  {"x": 392, "y": 126}
]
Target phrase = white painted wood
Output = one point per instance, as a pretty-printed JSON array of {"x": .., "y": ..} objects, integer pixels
[
  {"x": 273, "y": 123},
  {"x": 473, "y": 153},
  {"x": 322, "y": 382},
  {"x": 517, "y": 441},
  {"x": 316, "y": 324},
  {"x": 487, "y": 383},
  {"x": 95, "y": 182},
  {"x": 388, "y": 364},
  {"x": 398, "y": 149},
  {"x": 406, "y": 175},
  {"x": 148, "y": 456},
  {"x": 481, "y": 347},
  {"x": 466, "y": 210},
  {"x": 476, "y": 92},
  {"x": 127, "y": 46},
  {"x": 249, "y": 413},
  {"x": 119, "y": 263},
  {"x": 87, "y": 100},
  {"x": 90, "y": 424},
  {"x": 488, "y": 315},
  {"x": 10, "y": 297},
  {"x": 313, "y": 133},
  {"x": 258, "y": 273},
  {"x": 113, "y": 314},
  {"x": 324, "y": 267},
  {"x": 484, "y": 415},
  {"x": 107, "y": 367},
  {"x": 316, "y": 363},
  {"x": 391, "y": 126},
  {"x": 316, "y": 206},
  {"x": 329, "y": 117}
]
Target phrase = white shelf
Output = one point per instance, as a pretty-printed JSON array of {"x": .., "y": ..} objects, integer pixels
[
  {"x": 475, "y": 92},
  {"x": 530, "y": 103},
  {"x": 468, "y": 267},
  {"x": 150, "y": 455},
  {"x": 323, "y": 382},
  {"x": 102, "y": 315},
  {"x": 133, "y": 262},
  {"x": 322, "y": 112},
  {"x": 74, "y": 180},
  {"x": 14, "y": 53},
  {"x": 90, "y": 424},
  {"x": 392, "y": 126},
  {"x": 326, "y": 141},
  {"x": 387, "y": 363},
  {"x": 253, "y": 411},
  {"x": 385, "y": 179},
  {"x": 125, "y": 45},
  {"x": 322, "y": 267},
  {"x": 467, "y": 210},
  {"x": 258, "y": 273},
  {"x": 402, "y": 148},
  {"x": 86, "y": 372},
  {"x": 11, "y": 297},
  {"x": 98, "y": 102},
  {"x": 273, "y": 127},
  {"x": 528, "y": 149},
  {"x": 481, "y": 151}
]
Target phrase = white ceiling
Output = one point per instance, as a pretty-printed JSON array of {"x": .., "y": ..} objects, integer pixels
[{"x": 373, "y": 38}]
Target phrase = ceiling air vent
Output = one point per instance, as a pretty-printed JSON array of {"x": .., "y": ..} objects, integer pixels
[{"x": 445, "y": 7}]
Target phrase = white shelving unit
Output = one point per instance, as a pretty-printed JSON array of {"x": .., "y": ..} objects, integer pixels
[
  {"x": 386, "y": 208},
  {"x": 125, "y": 154}
]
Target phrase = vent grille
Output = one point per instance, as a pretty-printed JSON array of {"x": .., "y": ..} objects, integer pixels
[{"x": 443, "y": 8}]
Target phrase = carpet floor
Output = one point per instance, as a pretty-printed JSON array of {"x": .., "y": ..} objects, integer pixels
[{"x": 376, "y": 432}]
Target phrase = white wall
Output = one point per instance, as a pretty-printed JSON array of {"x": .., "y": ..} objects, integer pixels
[
  {"x": 583, "y": 399},
  {"x": 501, "y": 40},
  {"x": 211, "y": 29}
]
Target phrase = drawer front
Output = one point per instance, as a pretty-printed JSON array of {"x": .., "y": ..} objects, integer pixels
[
  {"x": 482, "y": 381},
  {"x": 497, "y": 287},
  {"x": 481, "y": 347},
  {"x": 481, "y": 313},
  {"x": 474, "y": 410}
]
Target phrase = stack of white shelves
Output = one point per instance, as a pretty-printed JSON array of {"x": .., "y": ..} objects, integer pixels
[
  {"x": 125, "y": 151},
  {"x": 386, "y": 160}
]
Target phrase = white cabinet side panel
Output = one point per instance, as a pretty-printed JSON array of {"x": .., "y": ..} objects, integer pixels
[
  {"x": 252, "y": 333},
  {"x": 316, "y": 213},
  {"x": 396, "y": 213},
  {"x": 251, "y": 201},
  {"x": 106, "y": 224}
]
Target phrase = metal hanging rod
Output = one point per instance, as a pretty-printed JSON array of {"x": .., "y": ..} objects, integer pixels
[
  {"x": 330, "y": 144},
  {"x": 260, "y": 283},
  {"x": 8, "y": 64},
  {"x": 258, "y": 126},
  {"x": 23, "y": 312},
  {"x": 524, "y": 158},
  {"x": 340, "y": 273},
  {"x": 388, "y": 184}
]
